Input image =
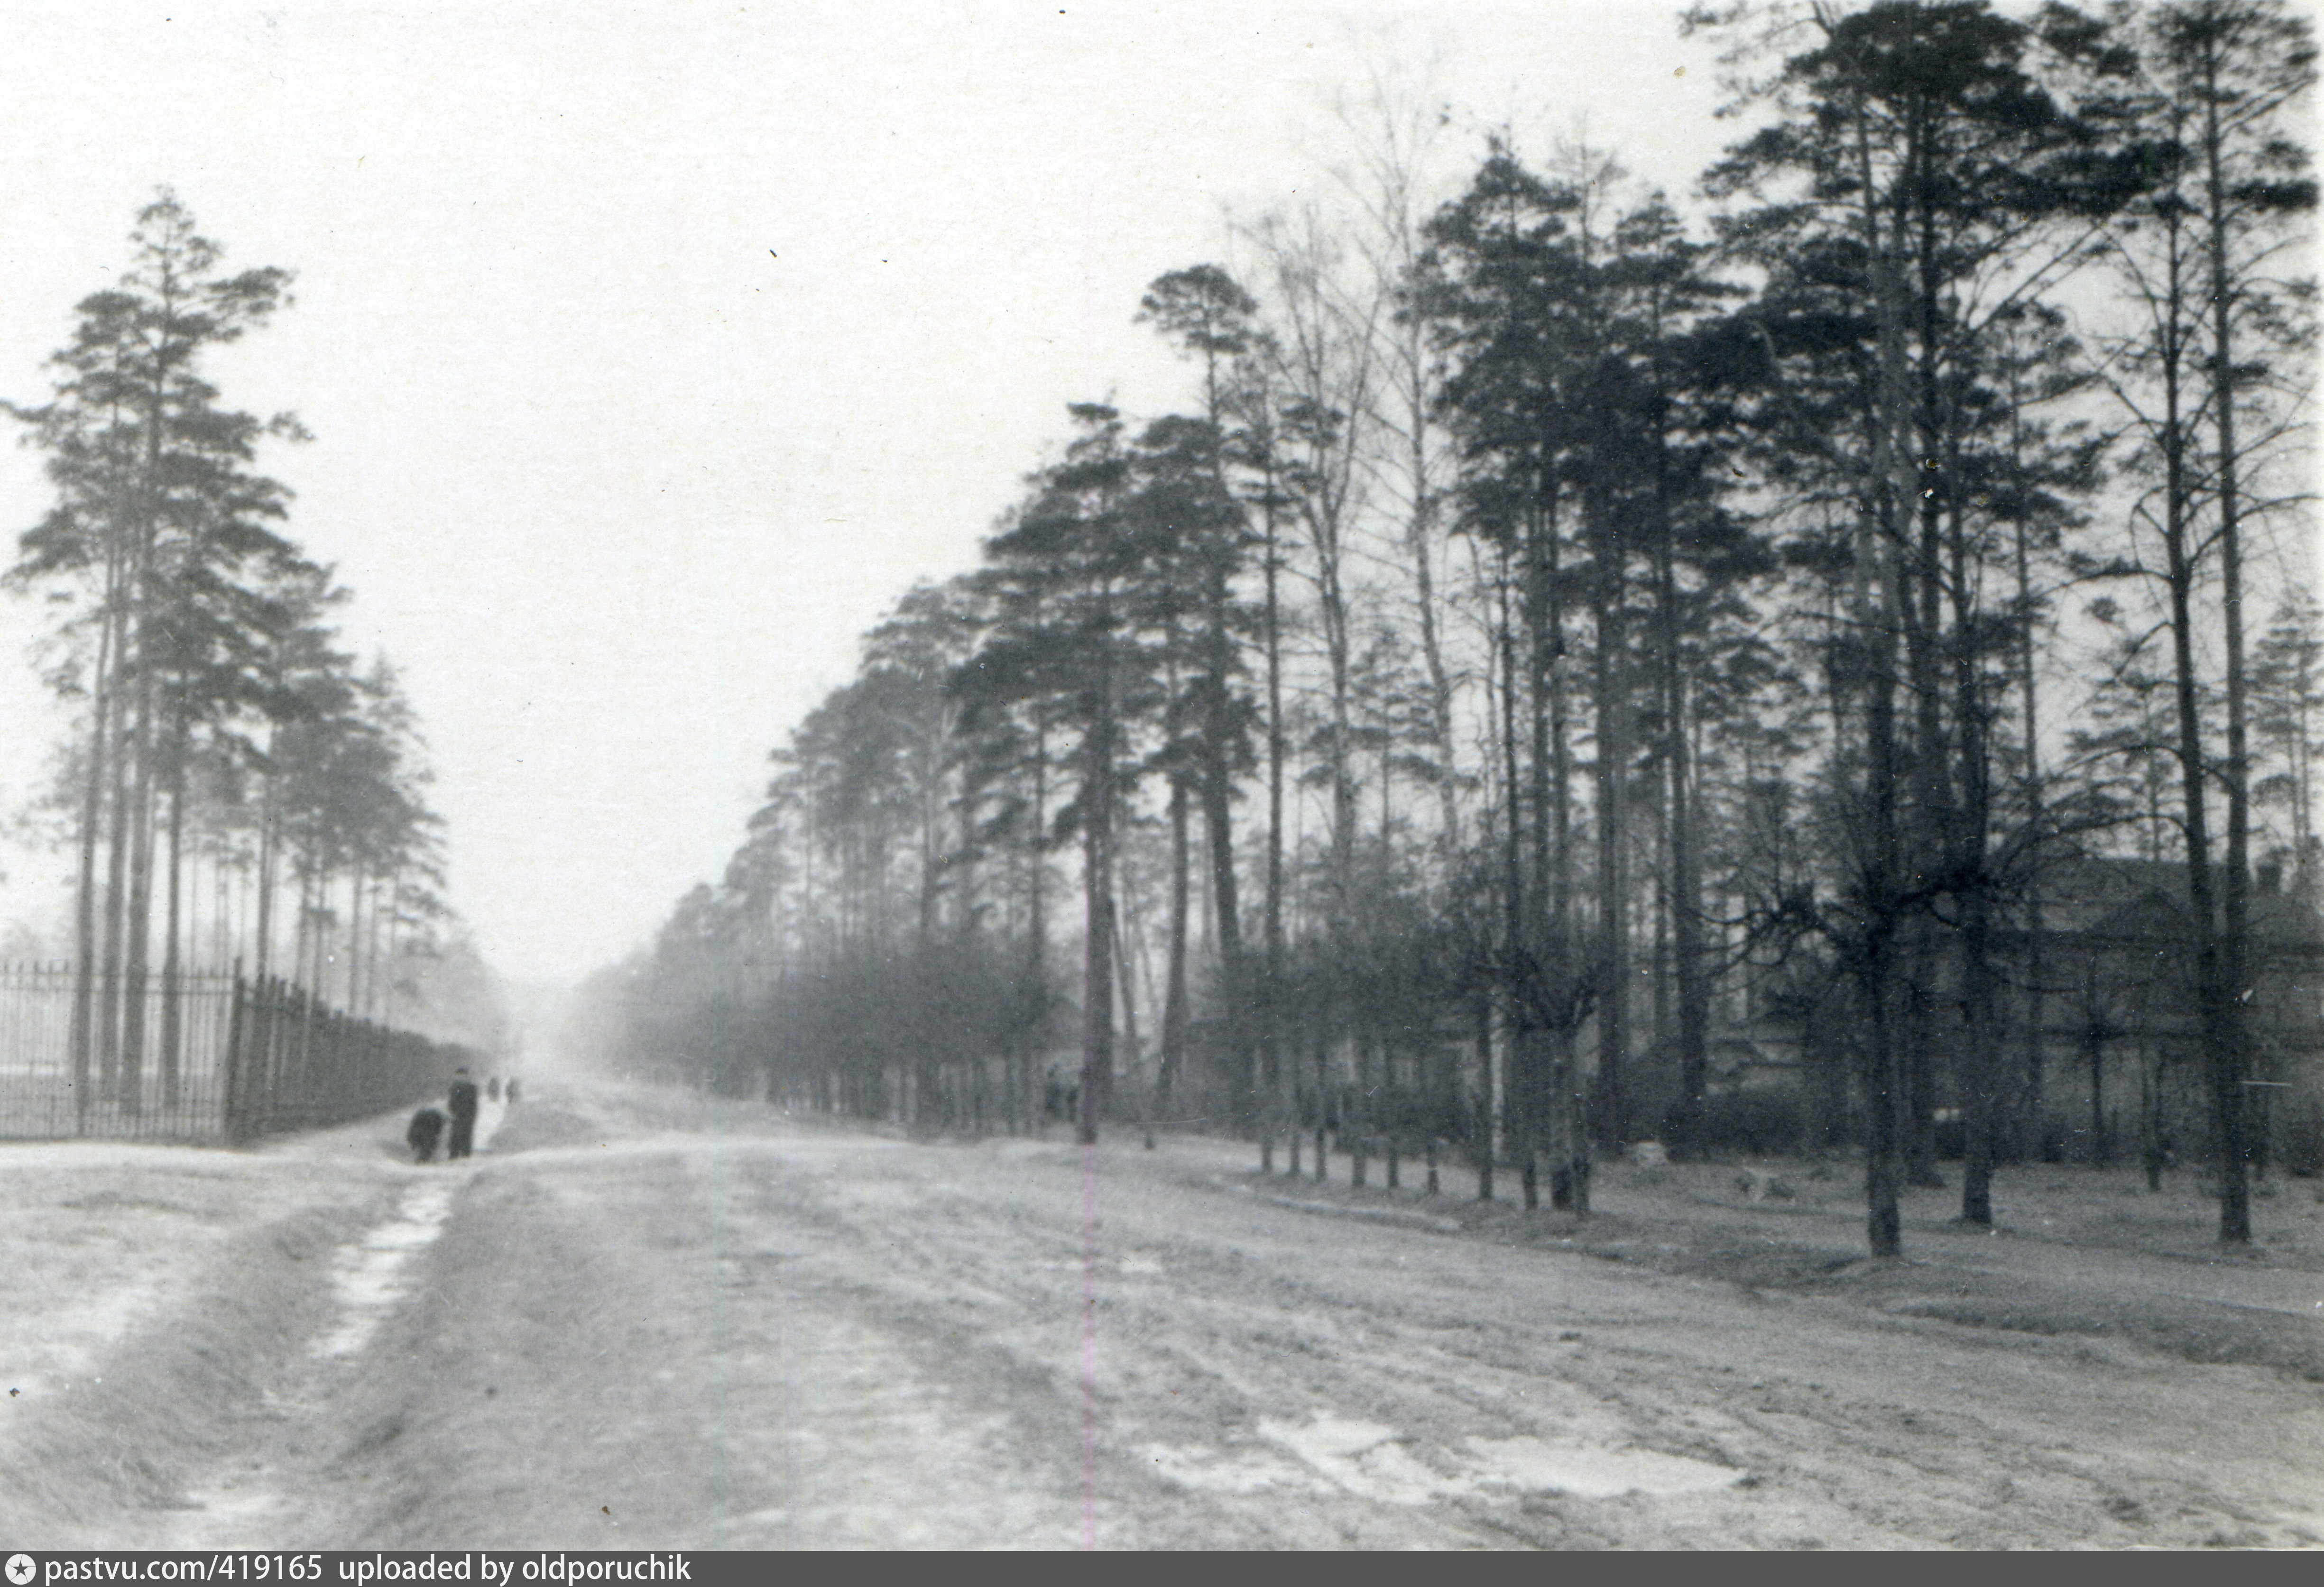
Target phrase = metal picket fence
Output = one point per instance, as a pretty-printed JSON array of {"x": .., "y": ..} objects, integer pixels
[
  {"x": 207, "y": 1056},
  {"x": 293, "y": 1064}
]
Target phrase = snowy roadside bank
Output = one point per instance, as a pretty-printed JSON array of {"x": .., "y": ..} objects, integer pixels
[{"x": 155, "y": 1293}]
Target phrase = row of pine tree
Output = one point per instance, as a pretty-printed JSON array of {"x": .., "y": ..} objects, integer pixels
[
  {"x": 1556, "y": 628},
  {"x": 233, "y": 764}
]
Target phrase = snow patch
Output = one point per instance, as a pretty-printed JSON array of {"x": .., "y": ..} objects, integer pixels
[
  {"x": 1377, "y": 1463},
  {"x": 19, "y": 1155},
  {"x": 1125, "y": 1265},
  {"x": 1364, "y": 1458},
  {"x": 694, "y": 1143},
  {"x": 1593, "y": 1473},
  {"x": 224, "y": 1520},
  {"x": 86, "y": 1269},
  {"x": 73, "y": 1342},
  {"x": 1205, "y": 1469},
  {"x": 366, "y": 1276}
]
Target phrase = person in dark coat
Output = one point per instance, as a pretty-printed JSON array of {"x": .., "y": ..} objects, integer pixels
[
  {"x": 511, "y": 1092},
  {"x": 462, "y": 1106},
  {"x": 492, "y": 1089},
  {"x": 427, "y": 1129}
]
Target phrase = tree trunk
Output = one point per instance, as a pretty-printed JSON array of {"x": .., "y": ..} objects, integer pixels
[
  {"x": 1218, "y": 826},
  {"x": 1974, "y": 1063},
  {"x": 1270, "y": 1011},
  {"x": 1686, "y": 884},
  {"x": 1097, "y": 901},
  {"x": 92, "y": 811},
  {"x": 1879, "y": 618},
  {"x": 1611, "y": 677},
  {"x": 1173, "y": 1006},
  {"x": 2030, "y": 1122},
  {"x": 171, "y": 970},
  {"x": 2234, "y": 1204},
  {"x": 267, "y": 861},
  {"x": 1520, "y": 971},
  {"x": 116, "y": 898},
  {"x": 1129, "y": 1025},
  {"x": 1421, "y": 524},
  {"x": 138, "y": 956},
  {"x": 354, "y": 939}
]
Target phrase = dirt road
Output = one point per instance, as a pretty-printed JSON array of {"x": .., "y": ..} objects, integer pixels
[{"x": 640, "y": 1320}]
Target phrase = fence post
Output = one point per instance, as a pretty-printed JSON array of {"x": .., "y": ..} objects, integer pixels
[
  {"x": 84, "y": 1006},
  {"x": 277, "y": 997},
  {"x": 257, "y": 1047},
  {"x": 297, "y": 1065},
  {"x": 230, "y": 1104}
]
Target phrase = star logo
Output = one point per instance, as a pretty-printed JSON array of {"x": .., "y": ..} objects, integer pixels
[{"x": 20, "y": 1568}]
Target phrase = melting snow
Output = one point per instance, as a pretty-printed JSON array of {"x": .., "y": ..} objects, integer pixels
[
  {"x": 1375, "y": 1462},
  {"x": 1208, "y": 1470},
  {"x": 366, "y": 1277},
  {"x": 222, "y": 1517},
  {"x": 1593, "y": 1473},
  {"x": 1127, "y": 1265},
  {"x": 1362, "y": 1457}
]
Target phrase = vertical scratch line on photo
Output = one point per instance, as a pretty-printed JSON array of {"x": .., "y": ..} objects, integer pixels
[
  {"x": 1087, "y": 1132},
  {"x": 1089, "y": 1344}
]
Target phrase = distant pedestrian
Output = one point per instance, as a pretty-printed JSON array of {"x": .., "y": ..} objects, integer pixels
[
  {"x": 462, "y": 1106},
  {"x": 427, "y": 1129},
  {"x": 511, "y": 1092},
  {"x": 493, "y": 1089}
]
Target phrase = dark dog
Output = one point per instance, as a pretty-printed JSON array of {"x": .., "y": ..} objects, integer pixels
[{"x": 427, "y": 1129}]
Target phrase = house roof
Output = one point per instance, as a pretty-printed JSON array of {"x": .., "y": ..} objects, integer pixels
[{"x": 2111, "y": 896}]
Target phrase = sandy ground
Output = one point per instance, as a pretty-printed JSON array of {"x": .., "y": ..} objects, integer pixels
[{"x": 640, "y": 1319}]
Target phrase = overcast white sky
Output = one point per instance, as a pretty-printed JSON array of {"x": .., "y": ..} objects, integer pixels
[{"x": 652, "y": 350}]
